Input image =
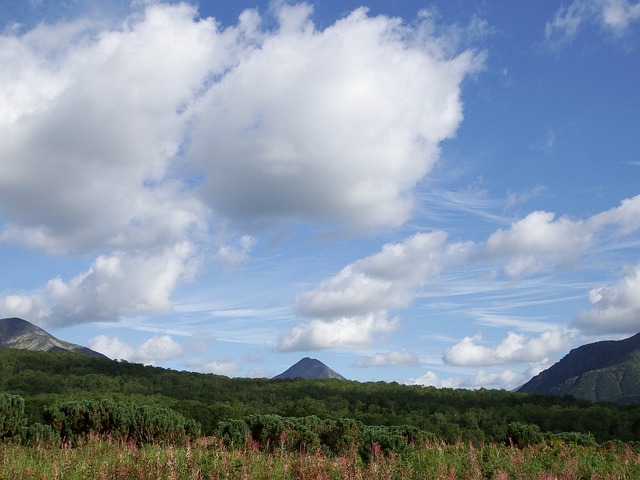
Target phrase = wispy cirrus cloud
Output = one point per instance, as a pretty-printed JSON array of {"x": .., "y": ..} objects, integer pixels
[
  {"x": 350, "y": 309},
  {"x": 614, "y": 16}
]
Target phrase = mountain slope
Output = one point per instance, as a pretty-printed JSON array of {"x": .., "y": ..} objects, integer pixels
[
  {"x": 309, "y": 368},
  {"x": 607, "y": 371},
  {"x": 18, "y": 333}
]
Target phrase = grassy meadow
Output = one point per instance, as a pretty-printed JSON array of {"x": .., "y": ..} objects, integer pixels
[{"x": 208, "y": 458}]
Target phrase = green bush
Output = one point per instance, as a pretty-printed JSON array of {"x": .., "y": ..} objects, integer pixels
[
  {"x": 40, "y": 434},
  {"x": 522, "y": 434},
  {"x": 140, "y": 423},
  {"x": 12, "y": 417},
  {"x": 342, "y": 435},
  {"x": 577, "y": 438},
  {"x": 233, "y": 432},
  {"x": 381, "y": 440},
  {"x": 311, "y": 434}
]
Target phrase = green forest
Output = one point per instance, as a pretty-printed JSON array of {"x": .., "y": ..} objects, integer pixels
[{"x": 47, "y": 381}]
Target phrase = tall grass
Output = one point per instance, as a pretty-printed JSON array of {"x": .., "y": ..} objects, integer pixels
[{"x": 207, "y": 458}]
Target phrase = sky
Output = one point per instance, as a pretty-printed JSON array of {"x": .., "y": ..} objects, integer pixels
[{"x": 439, "y": 193}]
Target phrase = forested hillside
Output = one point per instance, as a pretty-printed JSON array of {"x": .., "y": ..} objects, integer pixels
[
  {"x": 601, "y": 371},
  {"x": 45, "y": 378}
]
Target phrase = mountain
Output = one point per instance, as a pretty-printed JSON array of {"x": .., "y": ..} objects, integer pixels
[
  {"x": 309, "y": 368},
  {"x": 607, "y": 371},
  {"x": 18, "y": 333}
]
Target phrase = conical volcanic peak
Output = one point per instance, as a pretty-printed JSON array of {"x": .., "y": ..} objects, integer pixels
[{"x": 309, "y": 368}]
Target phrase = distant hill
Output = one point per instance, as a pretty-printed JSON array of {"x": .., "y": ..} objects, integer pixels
[
  {"x": 19, "y": 333},
  {"x": 309, "y": 368},
  {"x": 607, "y": 371}
]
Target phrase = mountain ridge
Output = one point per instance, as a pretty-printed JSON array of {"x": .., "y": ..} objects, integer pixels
[
  {"x": 607, "y": 371},
  {"x": 21, "y": 334}
]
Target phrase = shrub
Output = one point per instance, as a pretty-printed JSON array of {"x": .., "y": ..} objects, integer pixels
[
  {"x": 140, "y": 423},
  {"x": 342, "y": 435},
  {"x": 522, "y": 434},
  {"x": 41, "y": 434},
  {"x": 12, "y": 417},
  {"x": 233, "y": 432},
  {"x": 577, "y": 438},
  {"x": 383, "y": 439}
]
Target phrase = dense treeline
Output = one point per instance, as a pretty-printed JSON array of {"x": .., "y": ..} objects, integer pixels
[{"x": 48, "y": 378}]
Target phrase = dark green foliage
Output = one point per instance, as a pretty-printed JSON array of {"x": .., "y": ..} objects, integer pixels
[
  {"x": 12, "y": 418},
  {"x": 450, "y": 414},
  {"x": 381, "y": 440},
  {"x": 523, "y": 435},
  {"x": 341, "y": 435},
  {"x": 273, "y": 432},
  {"x": 577, "y": 438},
  {"x": 311, "y": 434},
  {"x": 39, "y": 434},
  {"x": 138, "y": 423},
  {"x": 234, "y": 433}
]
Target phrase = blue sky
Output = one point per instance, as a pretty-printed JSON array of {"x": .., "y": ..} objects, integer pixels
[{"x": 442, "y": 193}]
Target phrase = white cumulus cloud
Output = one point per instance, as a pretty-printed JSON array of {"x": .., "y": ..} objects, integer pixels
[
  {"x": 155, "y": 349},
  {"x": 514, "y": 348},
  {"x": 351, "y": 307},
  {"x": 389, "y": 359},
  {"x": 506, "y": 379},
  {"x": 615, "y": 308},
  {"x": 115, "y": 285},
  {"x": 539, "y": 241},
  {"x": 344, "y": 332},
  {"x": 223, "y": 366},
  {"x": 624, "y": 219},
  {"x": 431, "y": 379},
  {"x": 130, "y": 141},
  {"x": 92, "y": 126},
  {"x": 340, "y": 310},
  {"x": 333, "y": 125},
  {"x": 388, "y": 279}
]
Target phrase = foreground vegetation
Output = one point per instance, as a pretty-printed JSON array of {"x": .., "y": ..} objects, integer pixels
[
  {"x": 208, "y": 458},
  {"x": 44, "y": 379},
  {"x": 121, "y": 440},
  {"x": 65, "y": 416}
]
